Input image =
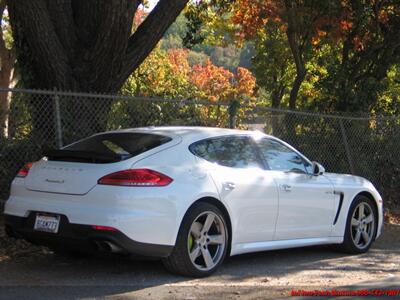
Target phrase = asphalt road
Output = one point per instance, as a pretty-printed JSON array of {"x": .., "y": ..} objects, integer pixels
[{"x": 28, "y": 272}]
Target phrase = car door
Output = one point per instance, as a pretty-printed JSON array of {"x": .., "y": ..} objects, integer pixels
[
  {"x": 306, "y": 201},
  {"x": 237, "y": 171}
]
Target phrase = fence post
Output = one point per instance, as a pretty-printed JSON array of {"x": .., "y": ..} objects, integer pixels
[
  {"x": 233, "y": 109},
  {"x": 57, "y": 119},
  {"x": 346, "y": 146}
]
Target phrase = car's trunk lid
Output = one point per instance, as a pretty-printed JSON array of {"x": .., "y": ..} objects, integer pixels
[
  {"x": 76, "y": 169},
  {"x": 68, "y": 177}
]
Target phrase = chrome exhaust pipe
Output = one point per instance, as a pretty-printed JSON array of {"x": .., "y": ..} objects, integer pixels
[
  {"x": 102, "y": 246},
  {"x": 113, "y": 248},
  {"x": 105, "y": 246}
]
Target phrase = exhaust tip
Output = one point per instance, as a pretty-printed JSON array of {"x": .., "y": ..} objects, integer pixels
[{"x": 106, "y": 246}]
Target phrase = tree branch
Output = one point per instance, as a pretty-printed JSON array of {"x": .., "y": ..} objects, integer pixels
[
  {"x": 111, "y": 21},
  {"x": 146, "y": 37}
]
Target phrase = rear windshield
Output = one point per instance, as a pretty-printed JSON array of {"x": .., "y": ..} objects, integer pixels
[{"x": 108, "y": 147}]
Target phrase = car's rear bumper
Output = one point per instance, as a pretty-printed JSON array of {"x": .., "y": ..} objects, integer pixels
[
  {"x": 146, "y": 215},
  {"x": 81, "y": 237}
]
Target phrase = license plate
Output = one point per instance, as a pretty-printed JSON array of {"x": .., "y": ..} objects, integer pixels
[{"x": 47, "y": 223}]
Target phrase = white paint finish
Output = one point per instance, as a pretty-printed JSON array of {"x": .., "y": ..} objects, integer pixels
[
  {"x": 253, "y": 199},
  {"x": 68, "y": 177},
  {"x": 304, "y": 216},
  {"x": 283, "y": 244},
  {"x": 306, "y": 208},
  {"x": 79, "y": 178}
]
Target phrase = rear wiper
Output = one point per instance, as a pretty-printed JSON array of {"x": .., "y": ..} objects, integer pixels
[{"x": 77, "y": 155}]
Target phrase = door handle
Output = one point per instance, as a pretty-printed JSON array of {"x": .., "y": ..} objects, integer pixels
[
  {"x": 286, "y": 187},
  {"x": 228, "y": 186}
]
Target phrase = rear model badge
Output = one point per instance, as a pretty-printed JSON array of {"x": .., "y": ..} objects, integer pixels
[{"x": 54, "y": 181}]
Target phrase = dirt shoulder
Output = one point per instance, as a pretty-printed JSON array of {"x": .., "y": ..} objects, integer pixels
[{"x": 37, "y": 272}]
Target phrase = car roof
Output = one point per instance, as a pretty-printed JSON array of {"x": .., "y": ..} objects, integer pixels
[{"x": 192, "y": 132}]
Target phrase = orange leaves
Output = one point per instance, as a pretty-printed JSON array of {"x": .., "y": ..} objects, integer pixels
[
  {"x": 245, "y": 83},
  {"x": 346, "y": 25},
  {"x": 218, "y": 84},
  {"x": 179, "y": 61},
  {"x": 252, "y": 15},
  {"x": 317, "y": 19},
  {"x": 169, "y": 74},
  {"x": 139, "y": 17},
  {"x": 213, "y": 82}
]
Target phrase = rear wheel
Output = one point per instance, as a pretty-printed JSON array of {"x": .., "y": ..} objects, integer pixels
[
  {"x": 361, "y": 226},
  {"x": 201, "y": 244}
]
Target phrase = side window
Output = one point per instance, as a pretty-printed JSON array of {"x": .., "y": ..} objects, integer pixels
[
  {"x": 281, "y": 158},
  {"x": 230, "y": 151}
]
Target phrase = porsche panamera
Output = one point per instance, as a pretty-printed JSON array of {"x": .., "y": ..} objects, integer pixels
[{"x": 190, "y": 196}]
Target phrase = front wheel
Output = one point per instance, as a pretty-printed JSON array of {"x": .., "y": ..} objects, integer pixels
[
  {"x": 201, "y": 244},
  {"x": 361, "y": 226}
]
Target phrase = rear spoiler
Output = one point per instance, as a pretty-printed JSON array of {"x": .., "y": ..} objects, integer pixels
[{"x": 82, "y": 156}]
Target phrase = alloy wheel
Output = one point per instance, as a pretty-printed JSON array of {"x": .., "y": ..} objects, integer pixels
[
  {"x": 362, "y": 225},
  {"x": 207, "y": 240}
]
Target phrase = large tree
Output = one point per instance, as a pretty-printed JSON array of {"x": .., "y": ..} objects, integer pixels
[
  {"x": 358, "y": 74},
  {"x": 85, "y": 46}
]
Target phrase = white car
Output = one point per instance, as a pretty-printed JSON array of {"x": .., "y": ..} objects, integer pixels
[{"x": 189, "y": 195}]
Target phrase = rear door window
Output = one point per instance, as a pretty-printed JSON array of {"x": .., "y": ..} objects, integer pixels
[
  {"x": 229, "y": 151},
  {"x": 108, "y": 147}
]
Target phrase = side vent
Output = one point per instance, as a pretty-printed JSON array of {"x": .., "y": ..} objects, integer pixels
[{"x": 340, "y": 205}]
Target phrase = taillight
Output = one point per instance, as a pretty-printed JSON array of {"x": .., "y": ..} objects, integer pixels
[
  {"x": 23, "y": 172},
  {"x": 136, "y": 177},
  {"x": 103, "y": 228}
]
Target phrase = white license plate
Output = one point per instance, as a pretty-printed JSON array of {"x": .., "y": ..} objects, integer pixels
[{"x": 47, "y": 223}]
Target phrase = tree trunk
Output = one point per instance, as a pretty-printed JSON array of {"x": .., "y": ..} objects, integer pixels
[
  {"x": 276, "y": 97},
  {"x": 87, "y": 46},
  {"x": 295, "y": 88},
  {"x": 5, "y": 82},
  {"x": 7, "y": 58},
  {"x": 295, "y": 47}
]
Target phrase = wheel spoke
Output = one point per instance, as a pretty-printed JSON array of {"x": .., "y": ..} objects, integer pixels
[
  {"x": 355, "y": 222},
  {"x": 208, "y": 229},
  {"x": 362, "y": 225},
  {"x": 207, "y": 224},
  {"x": 357, "y": 238},
  {"x": 195, "y": 253},
  {"x": 361, "y": 211},
  {"x": 365, "y": 236},
  {"x": 369, "y": 219},
  {"x": 207, "y": 257},
  {"x": 216, "y": 239},
  {"x": 195, "y": 230}
]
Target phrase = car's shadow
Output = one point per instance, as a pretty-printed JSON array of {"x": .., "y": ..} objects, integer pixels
[
  {"x": 102, "y": 276},
  {"x": 50, "y": 274}
]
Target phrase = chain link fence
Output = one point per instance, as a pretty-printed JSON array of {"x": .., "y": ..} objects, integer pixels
[{"x": 365, "y": 146}]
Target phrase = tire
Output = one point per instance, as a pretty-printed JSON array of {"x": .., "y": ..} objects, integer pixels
[
  {"x": 350, "y": 244},
  {"x": 198, "y": 237}
]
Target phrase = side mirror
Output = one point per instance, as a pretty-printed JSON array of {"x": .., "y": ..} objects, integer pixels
[{"x": 318, "y": 169}]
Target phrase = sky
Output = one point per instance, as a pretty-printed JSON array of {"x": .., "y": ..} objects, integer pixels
[{"x": 152, "y": 3}]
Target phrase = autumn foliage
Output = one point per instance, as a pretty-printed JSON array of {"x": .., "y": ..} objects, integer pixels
[
  {"x": 169, "y": 74},
  {"x": 334, "y": 20}
]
